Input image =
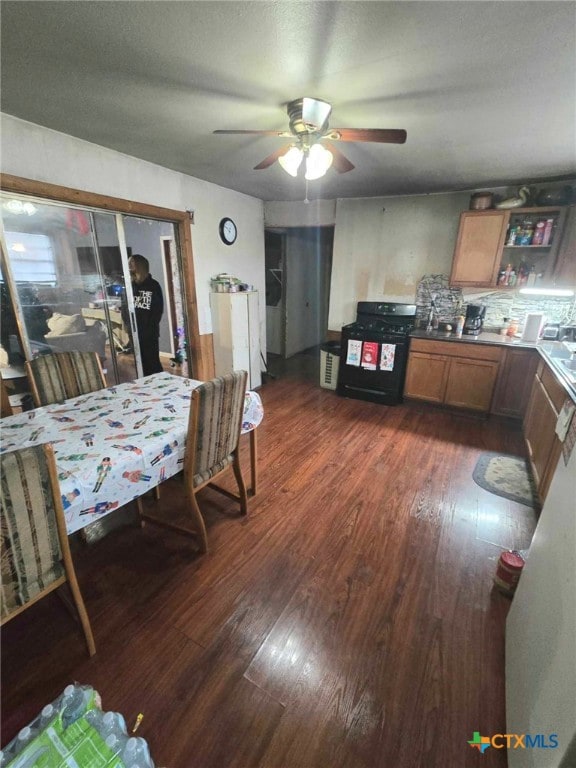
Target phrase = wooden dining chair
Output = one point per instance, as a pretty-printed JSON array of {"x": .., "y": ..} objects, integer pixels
[
  {"x": 82, "y": 372},
  {"x": 35, "y": 553},
  {"x": 62, "y": 375},
  {"x": 46, "y": 380},
  {"x": 212, "y": 446},
  {"x": 6, "y": 407}
]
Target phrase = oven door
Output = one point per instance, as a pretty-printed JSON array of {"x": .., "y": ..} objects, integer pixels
[{"x": 372, "y": 366}]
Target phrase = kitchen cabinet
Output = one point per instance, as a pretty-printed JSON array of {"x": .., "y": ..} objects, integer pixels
[
  {"x": 514, "y": 383},
  {"x": 456, "y": 374},
  {"x": 564, "y": 275},
  {"x": 546, "y": 400},
  {"x": 483, "y": 250},
  {"x": 479, "y": 244},
  {"x": 236, "y": 334}
]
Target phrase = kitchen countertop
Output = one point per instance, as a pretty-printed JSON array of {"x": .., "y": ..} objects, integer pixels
[{"x": 555, "y": 353}]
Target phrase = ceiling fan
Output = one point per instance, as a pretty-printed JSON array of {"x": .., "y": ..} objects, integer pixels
[{"x": 311, "y": 138}]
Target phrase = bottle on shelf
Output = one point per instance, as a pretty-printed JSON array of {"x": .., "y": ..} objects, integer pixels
[
  {"x": 531, "y": 279},
  {"x": 507, "y": 273},
  {"x": 538, "y": 237},
  {"x": 547, "y": 236},
  {"x": 513, "y": 234},
  {"x": 512, "y": 278},
  {"x": 527, "y": 233}
]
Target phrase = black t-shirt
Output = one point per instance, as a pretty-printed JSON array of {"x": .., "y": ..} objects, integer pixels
[{"x": 149, "y": 306}]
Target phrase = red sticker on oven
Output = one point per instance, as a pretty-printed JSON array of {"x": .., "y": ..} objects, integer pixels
[{"x": 370, "y": 355}]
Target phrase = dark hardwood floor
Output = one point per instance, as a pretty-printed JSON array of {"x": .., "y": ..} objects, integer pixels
[{"x": 348, "y": 622}]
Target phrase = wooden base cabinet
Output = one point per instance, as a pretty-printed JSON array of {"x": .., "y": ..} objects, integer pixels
[
  {"x": 452, "y": 373},
  {"x": 426, "y": 377},
  {"x": 515, "y": 380},
  {"x": 544, "y": 447}
]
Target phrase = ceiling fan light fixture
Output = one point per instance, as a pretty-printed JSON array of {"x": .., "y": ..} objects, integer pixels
[
  {"x": 292, "y": 160},
  {"x": 318, "y": 161}
]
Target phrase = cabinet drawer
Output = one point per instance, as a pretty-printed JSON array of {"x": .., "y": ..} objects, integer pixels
[{"x": 457, "y": 349}]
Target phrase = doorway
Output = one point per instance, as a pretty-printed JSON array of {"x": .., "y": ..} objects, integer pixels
[{"x": 298, "y": 264}]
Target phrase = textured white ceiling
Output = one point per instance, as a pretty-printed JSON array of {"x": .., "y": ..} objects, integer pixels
[{"x": 485, "y": 90}]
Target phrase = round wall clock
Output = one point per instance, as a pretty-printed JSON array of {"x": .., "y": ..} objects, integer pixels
[{"x": 228, "y": 231}]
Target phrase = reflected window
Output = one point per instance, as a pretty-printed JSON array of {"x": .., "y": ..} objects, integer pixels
[{"x": 31, "y": 257}]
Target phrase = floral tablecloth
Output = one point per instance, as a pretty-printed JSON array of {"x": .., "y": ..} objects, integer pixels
[{"x": 113, "y": 445}]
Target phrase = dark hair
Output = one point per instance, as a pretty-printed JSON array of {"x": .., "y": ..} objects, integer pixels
[{"x": 141, "y": 261}]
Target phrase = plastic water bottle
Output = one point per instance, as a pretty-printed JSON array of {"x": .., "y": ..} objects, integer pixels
[
  {"x": 74, "y": 703},
  {"x": 136, "y": 754},
  {"x": 47, "y": 715},
  {"x": 115, "y": 743},
  {"x": 106, "y": 723}
]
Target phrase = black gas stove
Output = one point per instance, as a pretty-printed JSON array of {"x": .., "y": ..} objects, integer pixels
[{"x": 375, "y": 352}]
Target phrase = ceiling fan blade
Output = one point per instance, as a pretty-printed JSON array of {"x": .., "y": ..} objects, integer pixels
[
  {"x": 268, "y": 161},
  {"x": 340, "y": 162},
  {"x": 382, "y": 135},
  {"x": 283, "y": 134}
]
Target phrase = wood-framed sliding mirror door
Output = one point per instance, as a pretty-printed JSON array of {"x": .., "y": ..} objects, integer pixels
[{"x": 137, "y": 225}]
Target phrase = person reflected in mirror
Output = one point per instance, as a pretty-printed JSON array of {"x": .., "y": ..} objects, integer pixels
[{"x": 149, "y": 306}]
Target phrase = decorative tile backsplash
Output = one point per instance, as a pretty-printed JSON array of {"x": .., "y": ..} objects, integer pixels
[{"x": 499, "y": 304}]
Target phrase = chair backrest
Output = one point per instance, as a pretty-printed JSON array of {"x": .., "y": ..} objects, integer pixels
[
  {"x": 215, "y": 423},
  {"x": 62, "y": 375},
  {"x": 6, "y": 408},
  {"x": 35, "y": 554},
  {"x": 82, "y": 372},
  {"x": 46, "y": 380}
]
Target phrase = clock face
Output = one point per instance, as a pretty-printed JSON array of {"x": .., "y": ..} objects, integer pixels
[{"x": 228, "y": 231}]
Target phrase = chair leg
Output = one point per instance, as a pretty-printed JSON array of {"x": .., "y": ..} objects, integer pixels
[
  {"x": 81, "y": 608},
  {"x": 241, "y": 485},
  {"x": 196, "y": 515},
  {"x": 140, "y": 511}
]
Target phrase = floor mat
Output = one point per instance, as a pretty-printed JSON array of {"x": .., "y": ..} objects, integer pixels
[{"x": 506, "y": 476}]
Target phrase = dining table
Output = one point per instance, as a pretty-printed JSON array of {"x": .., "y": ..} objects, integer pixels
[{"x": 115, "y": 444}]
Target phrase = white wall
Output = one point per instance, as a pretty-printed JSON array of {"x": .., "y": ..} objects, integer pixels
[
  {"x": 316, "y": 213},
  {"x": 38, "y": 153},
  {"x": 383, "y": 247},
  {"x": 541, "y": 632}
]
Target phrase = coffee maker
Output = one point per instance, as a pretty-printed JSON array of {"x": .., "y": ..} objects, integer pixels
[{"x": 474, "y": 319}]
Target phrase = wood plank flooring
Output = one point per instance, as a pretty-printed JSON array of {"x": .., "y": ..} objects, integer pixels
[{"x": 348, "y": 622}]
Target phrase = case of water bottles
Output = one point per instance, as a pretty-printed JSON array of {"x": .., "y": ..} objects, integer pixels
[{"x": 74, "y": 731}]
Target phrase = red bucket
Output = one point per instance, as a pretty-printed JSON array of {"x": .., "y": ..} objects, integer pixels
[{"x": 508, "y": 572}]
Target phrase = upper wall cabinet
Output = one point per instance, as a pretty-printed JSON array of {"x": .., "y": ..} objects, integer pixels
[
  {"x": 513, "y": 248},
  {"x": 478, "y": 248}
]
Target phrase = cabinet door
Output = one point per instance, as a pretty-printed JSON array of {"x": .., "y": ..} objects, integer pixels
[
  {"x": 514, "y": 383},
  {"x": 479, "y": 248},
  {"x": 426, "y": 377},
  {"x": 471, "y": 384},
  {"x": 564, "y": 273},
  {"x": 539, "y": 432}
]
